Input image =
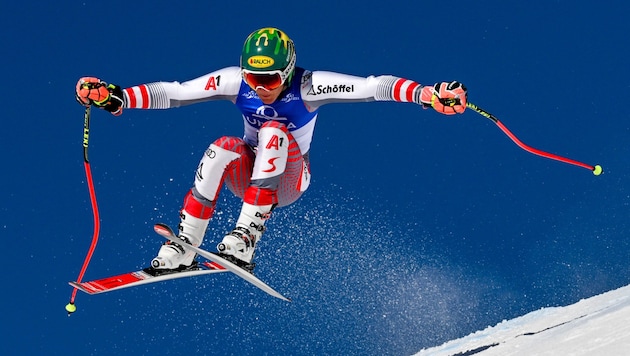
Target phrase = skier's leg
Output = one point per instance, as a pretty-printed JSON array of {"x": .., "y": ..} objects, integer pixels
[
  {"x": 227, "y": 156},
  {"x": 279, "y": 177}
]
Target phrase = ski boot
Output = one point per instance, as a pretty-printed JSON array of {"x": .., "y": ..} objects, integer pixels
[
  {"x": 239, "y": 245},
  {"x": 173, "y": 255}
]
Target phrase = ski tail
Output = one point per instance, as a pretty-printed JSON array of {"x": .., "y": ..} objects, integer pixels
[{"x": 145, "y": 276}]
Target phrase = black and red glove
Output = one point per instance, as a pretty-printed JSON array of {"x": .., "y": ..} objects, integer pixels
[
  {"x": 93, "y": 91},
  {"x": 445, "y": 98}
]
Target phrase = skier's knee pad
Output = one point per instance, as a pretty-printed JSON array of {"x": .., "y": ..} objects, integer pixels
[
  {"x": 212, "y": 167},
  {"x": 273, "y": 151}
]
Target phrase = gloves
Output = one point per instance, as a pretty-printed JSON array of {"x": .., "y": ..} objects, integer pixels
[
  {"x": 94, "y": 91},
  {"x": 446, "y": 98}
]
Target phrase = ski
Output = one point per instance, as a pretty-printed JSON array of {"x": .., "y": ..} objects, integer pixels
[
  {"x": 166, "y": 232},
  {"x": 145, "y": 276}
]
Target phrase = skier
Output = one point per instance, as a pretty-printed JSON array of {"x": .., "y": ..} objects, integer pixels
[{"x": 269, "y": 166}]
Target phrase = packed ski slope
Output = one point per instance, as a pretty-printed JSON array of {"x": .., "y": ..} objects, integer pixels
[{"x": 596, "y": 326}]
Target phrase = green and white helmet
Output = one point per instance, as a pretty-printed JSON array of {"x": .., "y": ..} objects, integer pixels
[{"x": 271, "y": 52}]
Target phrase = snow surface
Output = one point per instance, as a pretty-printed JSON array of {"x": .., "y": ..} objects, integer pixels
[{"x": 599, "y": 325}]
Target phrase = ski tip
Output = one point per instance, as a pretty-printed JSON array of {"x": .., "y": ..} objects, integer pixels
[
  {"x": 162, "y": 229},
  {"x": 71, "y": 308}
]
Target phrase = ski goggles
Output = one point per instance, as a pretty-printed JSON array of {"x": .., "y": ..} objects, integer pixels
[{"x": 266, "y": 80}]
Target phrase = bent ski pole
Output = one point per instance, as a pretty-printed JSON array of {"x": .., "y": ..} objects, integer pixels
[
  {"x": 597, "y": 169},
  {"x": 70, "y": 307}
]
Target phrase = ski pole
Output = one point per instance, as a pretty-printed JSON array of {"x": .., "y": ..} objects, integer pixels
[
  {"x": 597, "y": 169},
  {"x": 70, "y": 307}
]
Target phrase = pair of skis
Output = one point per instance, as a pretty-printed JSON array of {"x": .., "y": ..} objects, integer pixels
[{"x": 214, "y": 264}]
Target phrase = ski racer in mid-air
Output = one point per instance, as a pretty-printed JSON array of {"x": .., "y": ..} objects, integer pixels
[{"x": 269, "y": 166}]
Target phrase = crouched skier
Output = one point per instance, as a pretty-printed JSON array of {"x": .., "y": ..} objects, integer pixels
[{"x": 268, "y": 167}]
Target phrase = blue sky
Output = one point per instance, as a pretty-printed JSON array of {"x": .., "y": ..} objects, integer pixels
[{"x": 417, "y": 229}]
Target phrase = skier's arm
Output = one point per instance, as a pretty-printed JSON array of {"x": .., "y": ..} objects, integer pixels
[
  {"x": 320, "y": 88},
  {"x": 219, "y": 85}
]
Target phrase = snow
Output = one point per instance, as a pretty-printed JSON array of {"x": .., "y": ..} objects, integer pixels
[{"x": 599, "y": 325}]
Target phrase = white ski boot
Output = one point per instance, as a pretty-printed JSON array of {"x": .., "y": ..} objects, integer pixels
[
  {"x": 172, "y": 255},
  {"x": 241, "y": 242}
]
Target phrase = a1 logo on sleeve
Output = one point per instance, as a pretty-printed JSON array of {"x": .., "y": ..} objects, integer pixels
[{"x": 213, "y": 83}]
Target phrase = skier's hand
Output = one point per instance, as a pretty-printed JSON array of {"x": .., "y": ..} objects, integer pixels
[
  {"x": 93, "y": 91},
  {"x": 446, "y": 98}
]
